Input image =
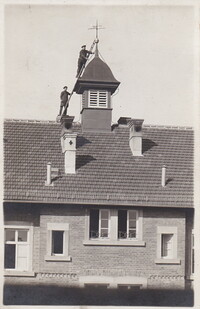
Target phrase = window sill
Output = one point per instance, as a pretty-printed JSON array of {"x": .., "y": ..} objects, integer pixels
[
  {"x": 167, "y": 261},
  {"x": 104, "y": 242},
  {"x": 50, "y": 258},
  {"x": 17, "y": 273}
]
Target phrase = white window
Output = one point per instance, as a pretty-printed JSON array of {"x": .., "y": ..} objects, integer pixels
[
  {"x": 127, "y": 224},
  {"x": 167, "y": 246},
  {"x": 98, "y": 98},
  {"x": 112, "y": 227},
  {"x": 17, "y": 254},
  {"x": 57, "y": 242},
  {"x": 99, "y": 223}
]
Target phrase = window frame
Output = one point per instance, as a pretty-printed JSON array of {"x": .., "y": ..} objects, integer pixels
[
  {"x": 97, "y": 92},
  {"x": 29, "y": 243},
  {"x": 100, "y": 227},
  {"x": 128, "y": 238},
  {"x": 65, "y": 255},
  {"x": 166, "y": 230},
  {"x": 113, "y": 239}
]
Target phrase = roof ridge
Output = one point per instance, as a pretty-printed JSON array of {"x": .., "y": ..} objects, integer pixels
[
  {"x": 167, "y": 127},
  {"x": 77, "y": 124},
  {"x": 29, "y": 120},
  {"x": 152, "y": 126}
]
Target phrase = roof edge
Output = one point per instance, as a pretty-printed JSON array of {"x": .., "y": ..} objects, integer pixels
[
  {"x": 151, "y": 126},
  {"x": 108, "y": 203}
]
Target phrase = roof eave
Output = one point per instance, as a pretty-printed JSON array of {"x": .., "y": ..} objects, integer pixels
[{"x": 82, "y": 85}]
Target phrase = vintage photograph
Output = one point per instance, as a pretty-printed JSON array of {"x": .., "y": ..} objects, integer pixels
[{"x": 98, "y": 150}]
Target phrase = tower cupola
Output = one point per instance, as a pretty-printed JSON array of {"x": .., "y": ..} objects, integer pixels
[{"x": 96, "y": 85}]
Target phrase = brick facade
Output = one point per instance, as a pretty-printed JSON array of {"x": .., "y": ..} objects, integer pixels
[{"x": 109, "y": 261}]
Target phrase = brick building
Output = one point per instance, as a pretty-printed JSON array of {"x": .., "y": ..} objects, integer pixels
[{"x": 92, "y": 204}]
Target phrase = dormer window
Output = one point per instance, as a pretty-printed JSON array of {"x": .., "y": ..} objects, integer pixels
[{"x": 98, "y": 98}]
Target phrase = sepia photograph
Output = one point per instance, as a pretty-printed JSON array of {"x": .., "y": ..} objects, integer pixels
[{"x": 100, "y": 122}]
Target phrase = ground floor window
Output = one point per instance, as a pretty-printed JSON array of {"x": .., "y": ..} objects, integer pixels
[
  {"x": 127, "y": 224},
  {"x": 17, "y": 255},
  {"x": 99, "y": 223},
  {"x": 123, "y": 227},
  {"x": 167, "y": 245},
  {"x": 57, "y": 242}
]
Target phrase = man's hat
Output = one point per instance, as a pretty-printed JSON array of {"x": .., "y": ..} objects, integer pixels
[
  {"x": 83, "y": 46},
  {"x": 65, "y": 87}
]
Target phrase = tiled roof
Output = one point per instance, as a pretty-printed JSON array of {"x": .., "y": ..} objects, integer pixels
[{"x": 107, "y": 173}]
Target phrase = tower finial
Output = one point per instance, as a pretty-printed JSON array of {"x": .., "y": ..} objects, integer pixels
[{"x": 96, "y": 27}]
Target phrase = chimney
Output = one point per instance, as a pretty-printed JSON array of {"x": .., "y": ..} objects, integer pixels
[
  {"x": 163, "y": 176},
  {"x": 48, "y": 181},
  {"x": 135, "y": 140},
  {"x": 68, "y": 144},
  {"x": 52, "y": 173}
]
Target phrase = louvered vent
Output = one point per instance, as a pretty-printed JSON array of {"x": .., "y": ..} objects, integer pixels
[{"x": 98, "y": 98}]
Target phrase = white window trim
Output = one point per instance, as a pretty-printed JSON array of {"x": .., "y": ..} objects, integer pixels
[
  {"x": 138, "y": 226},
  {"x": 99, "y": 231},
  {"x": 100, "y": 219},
  {"x": 17, "y": 272},
  {"x": 97, "y": 105},
  {"x": 167, "y": 230},
  {"x": 128, "y": 222},
  {"x": 58, "y": 257},
  {"x": 113, "y": 232}
]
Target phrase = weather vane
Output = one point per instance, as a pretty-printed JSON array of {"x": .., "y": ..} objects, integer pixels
[{"x": 96, "y": 27}]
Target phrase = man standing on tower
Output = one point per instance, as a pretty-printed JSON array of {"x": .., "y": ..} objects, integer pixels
[
  {"x": 64, "y": 98},
  {"x": 83, "y": 56}
]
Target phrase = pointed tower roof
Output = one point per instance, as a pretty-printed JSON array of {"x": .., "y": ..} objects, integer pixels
[
  {"x": 98, "y": 70},
  {"x": 97, "y": 74}
]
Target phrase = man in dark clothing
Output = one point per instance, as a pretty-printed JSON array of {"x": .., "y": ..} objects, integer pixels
[
  {"x": 64, "y": 98},
  {"x": 83, "y": 56}
]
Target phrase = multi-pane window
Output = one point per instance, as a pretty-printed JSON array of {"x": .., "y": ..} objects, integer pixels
[
  {"x": 127, "y": 224},
  {"x": 99, "y": 223},
  {"x": 98, "y": 98},
  {"x": 167, "y": 246},
  {"x": 17, "y": 249}
]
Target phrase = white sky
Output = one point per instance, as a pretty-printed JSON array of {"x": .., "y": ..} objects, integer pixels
[{"x": 150, "y": 50}]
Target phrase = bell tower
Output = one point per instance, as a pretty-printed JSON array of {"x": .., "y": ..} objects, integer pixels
[{"x": 96, "y": 85}]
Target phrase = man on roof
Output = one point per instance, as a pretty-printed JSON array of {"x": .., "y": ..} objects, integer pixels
[
  {"x": 64, "y": 98},
  {"x": 83, "y": 56}
]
